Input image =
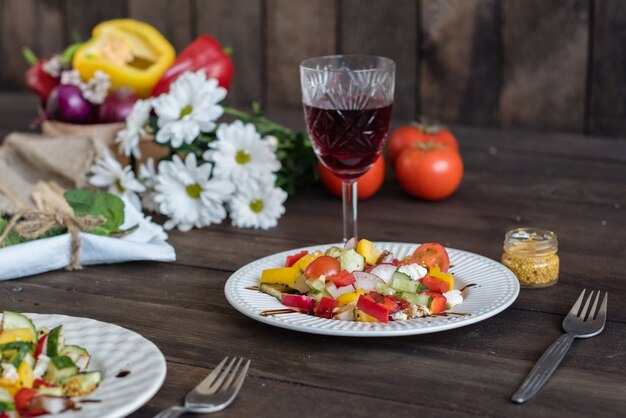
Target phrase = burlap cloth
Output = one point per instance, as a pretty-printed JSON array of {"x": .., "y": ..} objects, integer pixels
[{"x": 63, "y": 154}]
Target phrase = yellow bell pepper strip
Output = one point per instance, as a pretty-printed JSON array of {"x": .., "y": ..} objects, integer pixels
[
  {"x": 351, "y": 297},
  {"x": 17, "y": 334},
  {"x": 283, "y": 275},
  {"x": 446, "y": 277},
  {"x": 368, "y": 250},
  {"x": 133, "y": 54},
  {"x": 26, "y": 375}
]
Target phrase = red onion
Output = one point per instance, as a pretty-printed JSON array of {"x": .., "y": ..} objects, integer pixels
[{"x": 117, "y": 105}]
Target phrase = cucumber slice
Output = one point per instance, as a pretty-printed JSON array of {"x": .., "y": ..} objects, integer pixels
[
  {"x": 50, "y": 391},
  {"x": 14, "y": 320},
  {"x": 15, "y": 352},
  {"x": 300, "y": 284},
  {"x": 55, "y": 342},
  {"x": 417, "y": 299},
  {"x": 403, "y": 283},
  {"x": 334, "y": 252},
  {"x": 270, "y": 289},
  {"x": 60, "y": 369},
  {"x": 82, "y": 384},
  {"x": 7, "y": 406},
  {"x": 78, "y": 355},
  {"x": 352, "y": 261},
  {"x": 316, "y": 284}
]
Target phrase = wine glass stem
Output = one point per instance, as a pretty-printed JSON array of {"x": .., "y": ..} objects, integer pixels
[{"x": 349, "y": 210}]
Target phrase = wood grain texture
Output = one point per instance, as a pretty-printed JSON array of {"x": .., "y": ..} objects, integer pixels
[
  {"x": 296, "y": 30},
  {"x": 607, "y": 104},
  {"x": 238, "y": 24},
  {"x": 19, "y": 23},
  {"x": 544, "y": 68},
  {"x": 172, "y": 18},
  {"x": 82, "y": 16},
  {"x": 366, "y": 28},
  {"x": 50, "y": 27},
  {"x": 460, "y": 61}
]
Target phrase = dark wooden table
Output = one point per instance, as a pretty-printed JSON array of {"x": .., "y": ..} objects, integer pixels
[{"x": 573, "y": 185}]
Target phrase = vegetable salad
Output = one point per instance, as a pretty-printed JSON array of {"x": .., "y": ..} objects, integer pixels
[
  {"x": 39, "y": 373},
  {"x": 363, "y": 283}
]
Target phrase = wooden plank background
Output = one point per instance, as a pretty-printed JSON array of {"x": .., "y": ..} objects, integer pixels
[{"x": 553, "y": 65}]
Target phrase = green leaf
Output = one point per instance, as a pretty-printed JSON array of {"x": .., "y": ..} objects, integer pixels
[
  {"x": 13, "y": 238},
  {"x": 88, "y": 203}
]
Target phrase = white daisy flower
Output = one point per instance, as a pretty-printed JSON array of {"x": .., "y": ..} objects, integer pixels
[
  {"x": 53, "y": 66},
  {"x": 108, "y": 173},
  {"x": 241, "y": 156},
  {"x": 186, "y": 195},
  {"x": 257, "y": 207},
  {"x": 129, "y": 137},
  {"x": 189, "y": 108},
  {"x": 97, "y": 88},
  {"x": 147, "y": 176}
]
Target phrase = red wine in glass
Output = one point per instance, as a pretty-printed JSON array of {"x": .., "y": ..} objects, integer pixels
[{"x": 348, "y": 141}]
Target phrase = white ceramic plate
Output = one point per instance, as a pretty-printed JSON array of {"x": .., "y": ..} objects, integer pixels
[
  {"x": 496, "y": 288},
  {"x": 113, "y": 349}
]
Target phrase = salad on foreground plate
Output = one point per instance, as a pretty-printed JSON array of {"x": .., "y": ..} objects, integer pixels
[
  {"x": 363, "y": 283},
  {"x": 39, "y": 373}
]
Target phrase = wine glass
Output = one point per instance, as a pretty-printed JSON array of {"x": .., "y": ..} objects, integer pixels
[{"x": 347, "y": 106}]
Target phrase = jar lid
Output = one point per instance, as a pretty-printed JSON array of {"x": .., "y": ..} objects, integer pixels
[{"x": 529, "y": 240}]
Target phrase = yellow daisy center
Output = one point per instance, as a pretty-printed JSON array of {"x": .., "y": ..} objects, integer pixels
[
  {"x": 186, "y": 110},
  {"x": 256, "y": 206},
  {"x": 242, "y": 157},
  {"x": 194, "y": 190}
]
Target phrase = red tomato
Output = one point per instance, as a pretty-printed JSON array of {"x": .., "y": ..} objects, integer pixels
[
  {"x": 395, "y": 303},
  {"x": 435, "y": 284},
  {"x": 367, "y": 185},
  {"x": 432, "y": 254},
  {"x": 368, "y": 306},
  {"x": 325, "y": 307},
  {"x": 430, "y": 173},
  {"x": 291, "y": 259},
  {"x": 26, "y": 405},
  {"x": 328, "y": 266},
  {"x": 438, "y": 304},
  {"x": 343, "y": 278},
  {"x": 406, "y": 136}
]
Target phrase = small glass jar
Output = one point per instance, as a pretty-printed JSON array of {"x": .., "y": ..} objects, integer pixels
[{"x": 531, "y": 254}]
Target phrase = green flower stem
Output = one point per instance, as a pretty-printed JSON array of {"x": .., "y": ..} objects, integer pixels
[{"x": 261, "y": 122}]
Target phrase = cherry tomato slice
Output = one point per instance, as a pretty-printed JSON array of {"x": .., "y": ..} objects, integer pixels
[
  {"x": 432, "y": 254},
  {"x": 326, "y": 265}
]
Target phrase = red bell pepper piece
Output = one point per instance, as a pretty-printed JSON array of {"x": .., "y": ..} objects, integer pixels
[
  {"x": 325, "y": 307},
  {"x": 39, "y": 383},
  {"x": 292, "y": 259},
  {"x": 300, "y": 302},
  {"x": 368, "y": 306},
  {"x": 435, "y": 284},
  {"x": 41, "y": 345},
  {"x": 26, "y": 405},
  {"x": 205, "y": 53},
  {"x": 343, "y": 278}
]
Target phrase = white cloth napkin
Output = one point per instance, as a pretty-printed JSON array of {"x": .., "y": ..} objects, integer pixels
[{"x": 147, "y": 242}]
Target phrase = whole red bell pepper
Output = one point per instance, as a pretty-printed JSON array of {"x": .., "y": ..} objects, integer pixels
[
  {"x": 40, "y": 82},
  {"x": 205, "y": 53}
]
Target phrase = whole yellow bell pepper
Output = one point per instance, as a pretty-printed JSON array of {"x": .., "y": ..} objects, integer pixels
[{"x": 133, "y": 54}]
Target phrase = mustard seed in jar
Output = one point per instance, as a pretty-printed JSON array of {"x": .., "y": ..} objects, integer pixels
[{"x": 531, "y": 254}]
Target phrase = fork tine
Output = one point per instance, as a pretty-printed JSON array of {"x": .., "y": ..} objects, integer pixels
[
  {"x": 602, "y": 312},
  {"x": 222, "y": 376},
  {"x": 585, "y": 309},
  {"x": 208, "y": 381},
  {"x": 576, "y": 308},
  {"x": 242, "y": 375},
  {"x": 592, "y": 312},
  {"x": 232, "y": 375}
]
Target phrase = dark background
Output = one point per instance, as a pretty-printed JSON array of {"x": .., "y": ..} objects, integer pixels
[{"x": 549, "y": 65}]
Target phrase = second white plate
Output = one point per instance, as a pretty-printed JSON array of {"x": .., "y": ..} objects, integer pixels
[
  {"x": 113, "y": 350},
  {"x": 495, "y": 288}
]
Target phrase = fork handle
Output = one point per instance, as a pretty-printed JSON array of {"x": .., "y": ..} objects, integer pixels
[
  {"x": 171, "y": 412},
  {"x": 544, "y": 368}
]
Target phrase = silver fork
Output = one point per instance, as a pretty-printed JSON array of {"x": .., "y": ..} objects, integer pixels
[
  {"x": 579, "y": 323},
  {"x": 215, "y": 392}
]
